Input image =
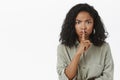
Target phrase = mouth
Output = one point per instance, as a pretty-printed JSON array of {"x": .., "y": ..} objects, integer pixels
[
  {"x": 82, "y": 33},
  {"x": 85, "y": 35}
]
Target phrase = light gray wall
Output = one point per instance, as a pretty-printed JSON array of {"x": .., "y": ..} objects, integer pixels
[{"x": 29, "y": 34}]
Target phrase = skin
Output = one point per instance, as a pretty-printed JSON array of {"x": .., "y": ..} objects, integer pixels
[{"x": 84, "y": 26}]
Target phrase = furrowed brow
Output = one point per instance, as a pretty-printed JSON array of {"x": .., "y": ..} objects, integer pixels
[
  {"x": 88, "y": 20},
  {"x": 78, "y": 20}
]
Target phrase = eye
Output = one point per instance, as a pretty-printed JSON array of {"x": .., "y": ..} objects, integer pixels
[
  {"x": 88, "y": 22},
  {"x": 78, "y": 22}
]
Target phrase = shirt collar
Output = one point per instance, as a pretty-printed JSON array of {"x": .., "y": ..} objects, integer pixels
[{"x": 77, "y": 43}]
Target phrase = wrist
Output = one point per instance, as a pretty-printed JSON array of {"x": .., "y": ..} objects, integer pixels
[{"x": 79, "y": 53}]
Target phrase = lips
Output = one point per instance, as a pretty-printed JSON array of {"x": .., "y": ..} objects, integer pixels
[{"x": 82, "y": 33}]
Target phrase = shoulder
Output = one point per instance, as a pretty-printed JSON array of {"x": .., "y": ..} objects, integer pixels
[
  {"x": 61, "y": 50},
  {"x": 60, "y": 46},
  {"x": 105, "y": 45},
  {"x": 106, "y": 48}
]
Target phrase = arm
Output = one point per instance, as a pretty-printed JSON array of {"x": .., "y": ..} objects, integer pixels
[
  {"x": 66, "y": 71},
  {"x": 71, "y": 69},
  {"x": 61, "y": 63}
]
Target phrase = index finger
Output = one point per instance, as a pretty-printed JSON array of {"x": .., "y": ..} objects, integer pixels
[{"x": 83, "y": 34}]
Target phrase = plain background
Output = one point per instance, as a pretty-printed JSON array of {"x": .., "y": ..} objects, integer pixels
[{"x": 29, "y": 34}]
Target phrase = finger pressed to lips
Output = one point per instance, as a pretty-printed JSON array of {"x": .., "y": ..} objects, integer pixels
[{"x": 83, "y": 33}]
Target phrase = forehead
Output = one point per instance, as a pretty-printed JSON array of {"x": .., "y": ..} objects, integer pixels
[{"x": 83, "y": 15}]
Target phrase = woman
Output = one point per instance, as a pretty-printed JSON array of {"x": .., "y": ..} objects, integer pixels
[{"x": 83, "y": 53}]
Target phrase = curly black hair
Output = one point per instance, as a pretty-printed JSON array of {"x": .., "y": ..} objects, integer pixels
[{"x": 68, "y": 35}]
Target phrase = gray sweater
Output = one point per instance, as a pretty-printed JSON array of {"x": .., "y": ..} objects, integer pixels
[{"x": 95, "y": 63}]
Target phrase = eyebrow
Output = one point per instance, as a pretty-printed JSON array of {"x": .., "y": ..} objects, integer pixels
[{"x": 85, "y": 20}]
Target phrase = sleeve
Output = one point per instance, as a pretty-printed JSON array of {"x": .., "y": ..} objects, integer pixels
[
  {"x": 108, "y": 66},
  {"x": 61, "y": 63}
]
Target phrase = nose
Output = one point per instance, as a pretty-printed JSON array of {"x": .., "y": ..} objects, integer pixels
[{"x": 83, "y": 26}]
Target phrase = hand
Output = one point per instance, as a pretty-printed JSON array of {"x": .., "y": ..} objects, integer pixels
[{"x": 84, "y": 44}]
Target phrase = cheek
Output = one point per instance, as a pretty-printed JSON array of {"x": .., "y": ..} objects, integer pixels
[
  {"x": 90, "y": 30},
  {"x": 77, "y": 29}
]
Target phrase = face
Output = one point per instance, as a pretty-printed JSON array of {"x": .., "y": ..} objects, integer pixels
[{"x": 84, "y": 22}]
